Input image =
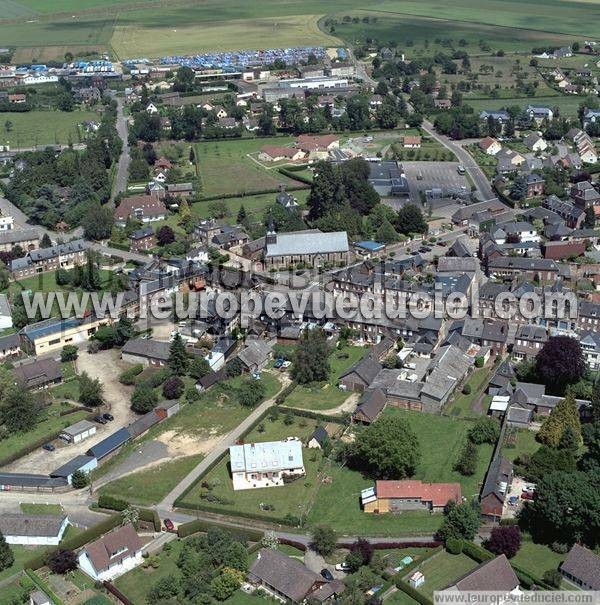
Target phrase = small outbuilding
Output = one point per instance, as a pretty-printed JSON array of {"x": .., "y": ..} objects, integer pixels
[{"x": 78, "y": 432}]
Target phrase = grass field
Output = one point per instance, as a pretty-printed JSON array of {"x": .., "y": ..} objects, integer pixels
[
  {"x": 152, "y": 485},
  {"x": 255, "y": 205},
  {"x": 462, "y": 404},
  {"x": 294, "y": 498},
  {"x": 442, "y": 569},
  {"x": 338, "y": 504},
  {"x": 569, "y": 104},
  {"x": 437, "y": 462},
  {"x": 43, "y": 128},
  {"x": 524, "y": 443},
  {"x": 49, "y": 423},
  {"x": 325, "y": 396},
  {"x": 29, "y": 508},
  {"x": 220, "y": 158}
]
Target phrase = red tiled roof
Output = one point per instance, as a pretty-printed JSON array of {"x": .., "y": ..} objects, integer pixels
[
  {"x": 308, "y": 142},
  {"x": 487, "y": 142},
  {"x": 436, "y": 493}
]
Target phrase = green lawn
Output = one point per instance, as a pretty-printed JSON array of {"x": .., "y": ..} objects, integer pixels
[
  {"x": 49, "y": 424},
  {"x": 524, "y": 443},
  {"x": 294, "y": 498},
  {"x": 136, "y": 583},
  {"x": 441, "y": 439},
  {"x": 256, "y": 598},
  {"x": 400, "y": 598},
  {"x": 12, "y": 592},
  {"x": 44, "y": 127},
  {"x": 152, "y": 485},
  {"x": 255, "y": 205},
  {"x": 29, "y": 508},
  {"x": 537, "y": 558},
  {"x": 217, "y": 159},
  {"x": 325, "y": 396},
  {"x": 338, "y": 505},
  {"x": 442, "y": 569},
  {"x": 462, "y": 404},
  {"x": 569, "y": 104}
]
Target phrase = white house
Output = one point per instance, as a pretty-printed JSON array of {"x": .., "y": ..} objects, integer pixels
[
  {"x": 6, "y": 222},
  {"x": 111, "y": 556},
  {"x": 151, "y": 108},
  {"x": 535, "y": 142},
  {"x": 255, "y": 465},
  {"x": 46, "y": 530},
  {"x": 216, "y": 360},
  {"x": 490, "y": 146},
  {"x": 197, "y": 255}
]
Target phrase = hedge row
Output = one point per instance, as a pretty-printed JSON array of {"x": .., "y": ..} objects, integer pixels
[
  {"x": 76, "y": 541},
  {"x": 528, "y": 580},
  {"x": 298, "y": 545},
  {"x": 199, "y": 525},
  {"x": 128, "y": 376},
  {"x": 316, "y": 416},
  {"x": 411, "y": 592},
  {"x": 476, "y": 552},
  {"x": 43, "y": 586},
  {"x": 228, "y": 196},
  {"x": 286, "y": 392},
  {"x": 111, "y": 503},
  {"x": 292, "y": 175},
  {"x": 151, "y": 516},
  {"x": 234, "y": 513}
]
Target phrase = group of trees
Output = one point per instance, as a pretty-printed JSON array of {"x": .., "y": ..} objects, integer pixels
[
  {"x": 210, "y": 566},
  {"x": 19, "y": 408},
  {"x": 311, "y": 358},
  {"x": 35, "y": 187}
]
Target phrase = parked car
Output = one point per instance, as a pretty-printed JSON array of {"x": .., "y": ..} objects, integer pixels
[
  {"x": 286, "y": 364},
  {"x": 527, "y": 495},
  {"x": 460, "y": 169},
  {"x": 169, "y": 525},
  {"x": 48, "y": 447},
  {"x": 278, "y": 363},
  {"x": 108, "y": 417},
  {"x": 342, "y": 566},
  {"x": 100, "y": 419},
  {"x": 327, "y": 574}
]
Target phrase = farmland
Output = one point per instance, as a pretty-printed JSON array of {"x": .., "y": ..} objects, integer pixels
[
  {"x": 43, "y": 128},
  {"x": 153, "y": 28}
]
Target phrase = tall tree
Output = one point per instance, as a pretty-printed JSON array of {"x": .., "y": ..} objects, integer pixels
[
  {"x": 7, "y": 557},
  {"x": 178, "y": 358},
  {"x": 560, "y": 362},
  {"x": 311, "y": 359},
  {"x": 565, "y": 415},
  {"x": 460, "y": 521},
  {"x": 386, "y": 449}
]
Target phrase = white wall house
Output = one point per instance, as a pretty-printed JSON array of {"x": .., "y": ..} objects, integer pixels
[
  {"x": 6, "y": 223},
  {"x": 44, "y": 530},
  {"x": 5, "y": 313},
  {"x": 255, "y": 465},
  {"x": 111, "y": 556}
]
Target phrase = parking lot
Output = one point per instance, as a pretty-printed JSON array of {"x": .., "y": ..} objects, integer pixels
[
  {"x": 513, "y": 502},
  {"x": 424, "y": 176}
]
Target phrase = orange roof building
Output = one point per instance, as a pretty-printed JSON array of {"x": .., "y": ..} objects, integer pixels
[{"x": 409, "y": 494}]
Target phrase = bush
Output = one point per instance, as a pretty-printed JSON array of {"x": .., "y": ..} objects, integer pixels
[
  {"x": 553, "y": 577},
  {"x": 560, "y": 547},
  {"x": 157, "y": 378},
  {"x": 62, "y": 561},
  {"x": 69, "y": 353},
  {"x": 111, "y": 503},
  {"x": 173, "y": 388},
  {"x": 454, "y": 546},
  {"x": 128, "y": 376},
  {"x": 467, "y": 389},
  {"x": 80, "y": 479},
  {"x": 485, "y": 430},
  {"x": 479, "y": 361}
]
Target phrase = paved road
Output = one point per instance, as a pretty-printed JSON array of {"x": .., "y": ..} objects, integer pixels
[
  {"x": 120, "y": 182},
  {"x": 477, "y": 175},
  {"x": 217, "y": 451}
]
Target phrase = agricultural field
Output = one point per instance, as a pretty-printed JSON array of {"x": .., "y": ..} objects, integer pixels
[
  {"x": 237, "y": 158},
  {"x": 150, "y": 41},
  {"x": 568, "y": 104},
  {"x": 30, "y": 128}
]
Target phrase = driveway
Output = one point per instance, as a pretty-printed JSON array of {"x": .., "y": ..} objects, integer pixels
[{"x": 106, "y": 366}]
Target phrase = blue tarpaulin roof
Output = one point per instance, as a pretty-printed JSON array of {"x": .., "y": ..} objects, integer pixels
[{"x": 370, "y": 245}]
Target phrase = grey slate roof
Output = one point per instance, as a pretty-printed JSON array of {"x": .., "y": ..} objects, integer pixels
[
  {"x": 14, "y": 236},
  {"x": 42, "y": 254},
  {"x": 297, "y": 243},
  {"x": 31, "y": 525},
  {"x": 366, "y": 369},
  {"x": 110, "y": 444},
  {"x": 37, "y": 373},
  {"x": 288, "y": 576},
  {"x": 584, "y": 565},
  {"x": 496, "y": 575},
  {"x": 78, "y": 427},
  {"x": 152, "y": 349},
  {"x": 371, "y": 405},
  {"x": 28, "y": 480}
]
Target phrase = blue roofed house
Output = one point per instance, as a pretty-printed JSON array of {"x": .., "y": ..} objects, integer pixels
[{"x": 368, "y": 248}]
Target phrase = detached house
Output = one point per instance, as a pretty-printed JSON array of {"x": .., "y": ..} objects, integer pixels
[
  {"x": 490, "y": 146},
  {"x": 267, "y": 464},
  {"x": 539, "y": 113},
  {"x": 535, "y": 142},
  {"x": 145, "y": 208},
  {"x": 112, "y": 555},
  {"x": 582, "y": 567}
]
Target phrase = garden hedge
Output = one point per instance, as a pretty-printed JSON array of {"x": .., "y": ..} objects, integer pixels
[
  {"x": 151, "y": 516},
  {"x": 39, "y": 583},
  {"x": 199, "y": 525},
  {"x": 111, "y": 503},
  {"x": 411, "y": 592}
]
